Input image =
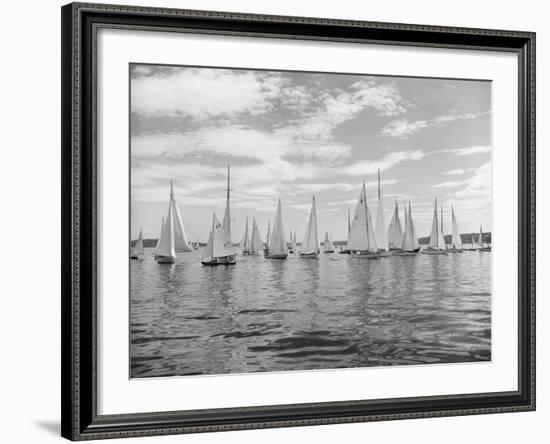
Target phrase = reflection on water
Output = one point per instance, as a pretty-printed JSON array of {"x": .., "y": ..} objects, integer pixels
[{"x": 299, "y": 314}]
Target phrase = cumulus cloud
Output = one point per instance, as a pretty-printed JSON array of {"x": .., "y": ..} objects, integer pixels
[{"x": 203, "y": 93}]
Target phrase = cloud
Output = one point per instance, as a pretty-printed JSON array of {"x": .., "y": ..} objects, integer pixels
[
  {"x": 471, "y": 150},
  {"x": 479, "y": 185},
  {"x": 448, "y": 185},
  {"x": 386, "y": 162},
  {"x": 457, "y": 171},
  {"x": 203, "y": 93},
  {"x": 402, "y": 128}
]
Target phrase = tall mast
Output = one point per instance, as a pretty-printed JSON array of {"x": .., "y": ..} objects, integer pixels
[
  {"x": 378, "y": 184},
  {"x": 228, "y": 184},
  {"x": 441, "y": 212},
  {"x": 171, "y": 190},
  {"x": 227, "y": 216},
  {"x": 349, "y": 222}
]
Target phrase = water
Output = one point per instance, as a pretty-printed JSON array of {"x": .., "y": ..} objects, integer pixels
[{"x": 298, "y": 314}]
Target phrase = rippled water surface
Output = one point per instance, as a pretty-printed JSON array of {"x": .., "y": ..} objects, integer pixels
[{"x": 299, "y": 314}]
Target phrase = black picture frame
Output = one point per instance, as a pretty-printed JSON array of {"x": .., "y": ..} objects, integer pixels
[{"x": 80, "y": 420}]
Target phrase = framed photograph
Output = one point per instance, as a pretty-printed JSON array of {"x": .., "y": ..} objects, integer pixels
[{"x": 280, "y": 221}]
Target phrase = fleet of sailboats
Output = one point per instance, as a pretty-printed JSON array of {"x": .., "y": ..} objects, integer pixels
[
  {"x": 364, "y": 239},
  {"x": 251, "y": 245}
]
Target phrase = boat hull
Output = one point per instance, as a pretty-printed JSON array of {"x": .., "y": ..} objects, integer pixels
[
  {"x": 344, "y": 252},
  {"x": 228, "y": 260},
  {"x": 309, "y": 255},
  {"x": 404, "y": 253},
  {"x": 328, "y": 251},
  {"x": 165, "y": 259},
  {"x": 484, "y": 249},
  {"x": 365, "y": 255},
  {"x": 455, "y": 250},
  {"x": 277, "y": 256},
  {"x": 433, "y": 251}
]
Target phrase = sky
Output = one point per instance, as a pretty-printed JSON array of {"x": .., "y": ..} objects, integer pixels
[{"x": 292, "y": 135}]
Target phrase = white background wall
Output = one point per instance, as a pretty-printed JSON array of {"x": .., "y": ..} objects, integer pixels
[{"x": 30, "y": 220}]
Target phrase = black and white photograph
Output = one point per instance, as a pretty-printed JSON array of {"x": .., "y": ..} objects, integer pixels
[{"x": 285, "y": 220}]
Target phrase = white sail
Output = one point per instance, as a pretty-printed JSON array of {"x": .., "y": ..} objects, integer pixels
[
  {"x": 294, "y": 241},
  {"x": 222, "y": 246},
  {"x": 381, "y": 233},
  {"x": 166, "y": 245},
  {"x": 138, "y": 247},
  {"x": 357, "y": 236},
  {"x": 349, "y": 223},
  {"x": 310, "y": 244},
  {"x": 256, "y": 242},
  {"x": 218, "y": 244},
  {"x": 227, "y": 215},
  {"x": 410, "y": 239},
  {"x": 441, "y": 234},
  {"x": 480, "y": 242},
  {"x": 244, "y": 244},
  {"x": 207, "y": 253},
  {"x": 277, "y": 243},
  {"x": 327, "y": 243},
  {"x": 436, "y": 237},
  {"x": 413, "y": 229},
  {"x": 395, "y": 232},
  {"x": 180, "y": 239},
  {"x": 160, "y": 235},
  {"x": 371, "y": 238},
  {"x": 268, "y": 234},
  {"x": 456, "y": 239}
]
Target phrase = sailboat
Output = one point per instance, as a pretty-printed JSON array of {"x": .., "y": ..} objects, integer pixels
[
  {"x": 344, "y": 250},
  {"x": 166, "y": 249},
  {"x": 196, "y": 245},
  {"x": 409, "y": 243},
  {"x": 291, "y": 244},
  {"x": 226, "y": 225},
  {"x": 328, "y": 246},
  {"x": 137, "y": 251},
  {"x": 380, "y": 230},
  {"x": 160, "y": 236},
  {"x": 180, "y": 240},
  {"x": 244, "y": 244},
  {"x": 437, "y": 243},
  {"x": 456, "y": 240},
  {"x": 482, "y": 246},
  {"x": 361, "y": 238},
  {"x": 266, "y": 249},
  {"x": 219, "y": 250},
  {"x": 256, "y": 244},
  {"x": 310, "y": 244},
  {"x": 277, "y": 244},
  {"x": 395, "y": 232}
]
